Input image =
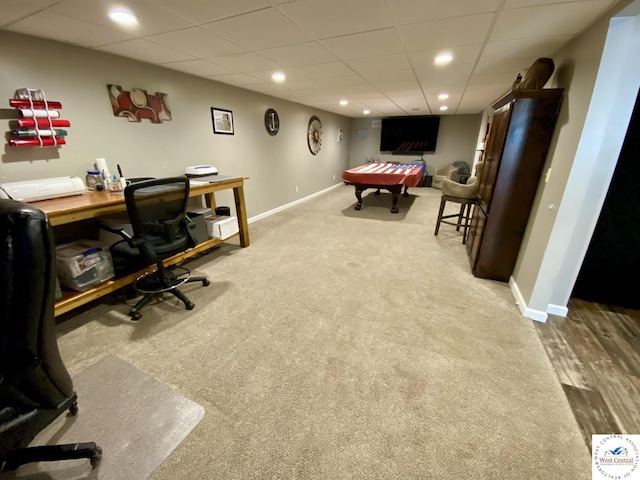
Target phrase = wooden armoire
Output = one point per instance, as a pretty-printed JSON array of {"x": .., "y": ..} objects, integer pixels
[{"x": 519, "y": 139}]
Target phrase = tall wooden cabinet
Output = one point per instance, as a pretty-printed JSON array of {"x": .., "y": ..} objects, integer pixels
[{"x": 521, "y": 131}]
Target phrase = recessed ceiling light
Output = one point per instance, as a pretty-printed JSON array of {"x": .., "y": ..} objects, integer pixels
[
  {"x": 366, "y": 112},
  {"x": 278, "y": 77},
  {"x": 443, "y": 96},
  {"x": 344, "y": 102},
  {"x": 444, "y": 107},
  {"x": 123, "y": 17},
  {"x": 443, "y": 58}
]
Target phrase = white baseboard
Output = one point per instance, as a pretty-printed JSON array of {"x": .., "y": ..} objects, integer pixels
[
  {"x": 557, "y": 310},
  {"x": 537, "y": 315},
  {"x": 292, "y": 204}
]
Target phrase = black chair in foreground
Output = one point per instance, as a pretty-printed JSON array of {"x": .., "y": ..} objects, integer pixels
[
  {"x": 157, "y": 210},
  {"x": 35, "y": 387}
]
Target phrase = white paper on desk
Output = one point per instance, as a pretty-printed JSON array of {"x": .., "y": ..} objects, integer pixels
[{"x": 197, "y": 182}]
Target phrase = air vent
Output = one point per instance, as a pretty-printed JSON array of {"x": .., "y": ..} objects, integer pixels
[{"x": 376, "y": 123}]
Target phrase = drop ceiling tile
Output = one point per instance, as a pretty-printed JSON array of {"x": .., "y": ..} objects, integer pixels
[
  {"x": 301, "y": 54},
  {"x": 452, "y": 74},
  {"x": 370, "y": 44},
  {"x": 291, "y": 75},
  {"x": 302, "y": 84},
  {"x": 546, "y": 20},
  {"x": 198, "y": 67},
  {"x": 516, "y": 49},
  {"x": 346, "y": 81},
  {"x": 493, "y": 78},
  {"x": 366, "y": 66},
  {"x": 488, "y": 66},
  {"x": 449, "y": 33},
  {"x": 245, "y": 62},
  {"x": 435, "y": 102},
  {"x": 236, "y": 79},
  {"x": 259, "y": 30},
  {"x": 356, "y": 90},
  {"x": 533, "y": 3},
  {"x": 369, "y": 95},
  {"x": 199, "y": 12},
  {"x": 406, "y": 12},
  {"x": 390, "y": 76},
  {"x": 67, "y": 29},
  {"x": 325, "y": 70},
  {"x": 407, "y": 88},
  {"x": 12, "y": 11},
  {"x": 425, "y": 59},
  {"x": 331, "y": 18},
  {"x": 151, "y": 20},
  {"x": 145, "y": 52},
  {"x": 267, "y": 88},
  {"x": 198, "y": 42}
]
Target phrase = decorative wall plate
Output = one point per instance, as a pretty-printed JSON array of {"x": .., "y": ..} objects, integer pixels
[
  {"x": 314, "y": 134},
  {"x": 271, "y": 122}
]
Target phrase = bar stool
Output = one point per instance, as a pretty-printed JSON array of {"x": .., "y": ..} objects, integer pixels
[{"x": 466, "y": 195}]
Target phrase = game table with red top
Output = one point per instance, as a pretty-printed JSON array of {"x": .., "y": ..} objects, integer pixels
[{"x": 390, "y": 176}]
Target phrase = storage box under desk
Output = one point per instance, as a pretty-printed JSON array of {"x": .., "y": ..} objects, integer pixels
[{"x": 221, "y": 226}]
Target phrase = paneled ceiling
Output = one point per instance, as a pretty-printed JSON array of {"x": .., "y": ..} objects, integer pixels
[{"x": 378, "y": 55}]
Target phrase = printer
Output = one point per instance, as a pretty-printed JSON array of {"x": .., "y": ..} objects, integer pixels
[{"x": 42, "y": 189}]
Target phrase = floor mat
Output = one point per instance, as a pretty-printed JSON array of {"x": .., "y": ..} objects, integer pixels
[{"x": 136, "y": 420}]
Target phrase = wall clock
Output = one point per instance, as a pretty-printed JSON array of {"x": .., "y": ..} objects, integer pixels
[
  {"x": 271, "y": 121},
  {"x": 314, "y": 134}
]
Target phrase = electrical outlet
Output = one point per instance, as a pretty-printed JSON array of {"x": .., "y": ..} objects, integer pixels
[{"x": 296, "y": 189}]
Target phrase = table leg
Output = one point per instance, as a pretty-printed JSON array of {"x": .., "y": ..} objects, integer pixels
[
  {"x": 359, "y": 197},
  {"x": 243, "y": 225},
  {"x": 395, "y": 195}
]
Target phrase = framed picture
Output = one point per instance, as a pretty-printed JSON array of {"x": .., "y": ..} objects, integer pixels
[{"x": 222, "y": 121}]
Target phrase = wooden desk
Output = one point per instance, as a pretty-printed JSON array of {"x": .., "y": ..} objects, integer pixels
[{"x": 66, "y": 210}]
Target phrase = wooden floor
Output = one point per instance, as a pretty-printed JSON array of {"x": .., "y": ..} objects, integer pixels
[{"x": 595, "y": 352}]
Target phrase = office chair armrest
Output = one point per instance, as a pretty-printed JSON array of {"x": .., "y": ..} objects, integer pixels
[{"x": 133, "y": 242}]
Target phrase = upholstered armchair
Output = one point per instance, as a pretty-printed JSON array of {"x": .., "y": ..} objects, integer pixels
[{"x": 448, "y": 171}]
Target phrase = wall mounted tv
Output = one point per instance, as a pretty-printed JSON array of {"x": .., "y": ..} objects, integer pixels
[{"x": 409, "y": 135}]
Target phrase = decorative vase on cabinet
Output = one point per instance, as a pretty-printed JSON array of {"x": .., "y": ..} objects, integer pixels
[{"x": 521, "y": 132}]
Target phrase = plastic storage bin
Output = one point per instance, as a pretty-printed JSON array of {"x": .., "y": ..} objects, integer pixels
[{"x": 83, "y": 264}]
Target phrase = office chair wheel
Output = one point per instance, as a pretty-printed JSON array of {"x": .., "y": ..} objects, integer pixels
[
  {"x": 96, "y": 457},
  {"x": 73, "y": 409},
  {"x": 135, "y": 315},
  {"x": 189, "y": 305},
  {"x": 205, "y": 282}
]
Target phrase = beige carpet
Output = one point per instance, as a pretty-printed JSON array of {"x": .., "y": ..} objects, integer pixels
[{"x": 347, "y": 344}]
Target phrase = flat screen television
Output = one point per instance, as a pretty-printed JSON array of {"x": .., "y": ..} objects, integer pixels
[{"x": 409, "y": 135}]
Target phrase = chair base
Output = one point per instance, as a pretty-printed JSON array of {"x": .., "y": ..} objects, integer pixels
[
  {"x": 20, "y": 454},
  {"x": 463, "y": 216},
  {"x": 154, "y": 284}
]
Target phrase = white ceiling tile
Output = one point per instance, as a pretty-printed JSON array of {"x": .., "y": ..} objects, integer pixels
[
  {"x": 406, "y": 12},
  {"x": 371, "y": 65},
  {"x": 370, "y": 44},
  {"x": 346, "y": 81},
  {"x": 145, "y": 51},
  {"x": 545, "y": 20},
  {"x": 302, "y": 84},
  {"x": 449, "y": 33},
  {"x": 301, "y": 54},
  {"x": 198, "y": 42},
  {"x": 330, "y": 18},
  {"x": 435, "y": 102},
  {"x": 407, "y": 88},
  {"x": 246, "y": 62},
  {"x": 516, "y": 49},
  {"x": 453, "y": 75},
  {"x": 493, "y": 78},
  {"x": 370, "y": 95},
  {"x": 489, "y": 66},
  {"x": 198, "y": 67},
  {"x": 291, "y": 75},
  {"x": 325, "y": 70},
  {"x": 12, "y": 11},
  {"x": 67, "y": 29},
  {"x": 390, "y": 76},
  {"x": 236, "y": 79},
  {"x": 356, "y": 90},
  {"x": 199, "y": 11},
  {"x": 259, "y": 30},
  {"x": 151, "y": 20}
]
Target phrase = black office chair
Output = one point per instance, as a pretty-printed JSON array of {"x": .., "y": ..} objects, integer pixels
[
  {"x": 35, "y": 387},
  {"x": 157, "y": 210}
]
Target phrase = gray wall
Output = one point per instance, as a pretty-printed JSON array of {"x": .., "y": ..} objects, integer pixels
[
  {"x": 78, "y": 77},
  {"x": 457, "y": 140},
  {"x": 600, "y": 94}
]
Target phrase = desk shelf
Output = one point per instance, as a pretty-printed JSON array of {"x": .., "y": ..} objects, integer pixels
[
  {"x": 71, "y": 300},
  {"x": 92, "y": 205}
]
